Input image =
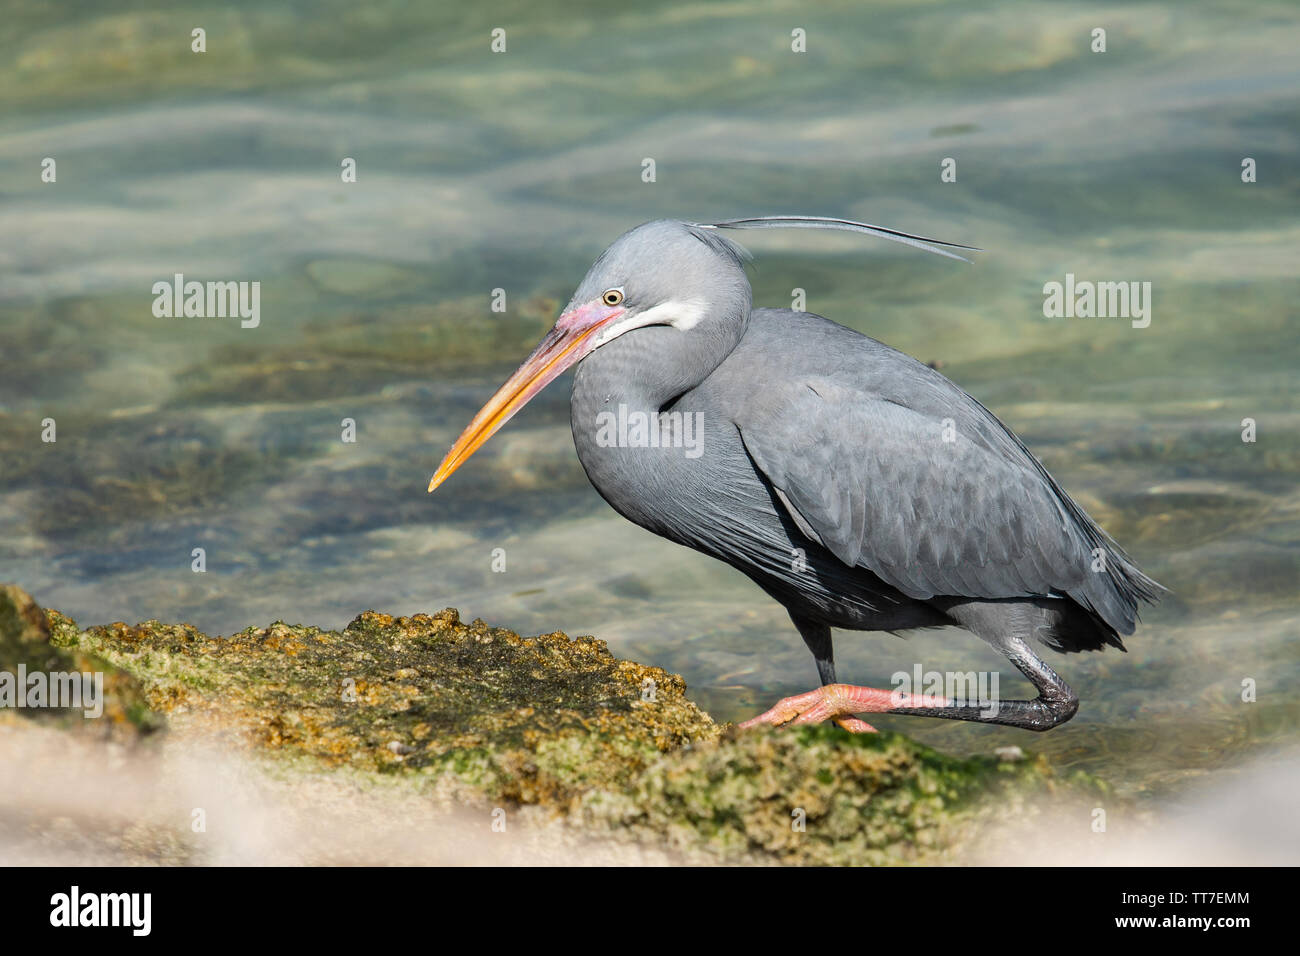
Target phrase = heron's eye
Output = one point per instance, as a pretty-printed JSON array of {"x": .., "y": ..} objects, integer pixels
[{"x": 612, "y": 297}]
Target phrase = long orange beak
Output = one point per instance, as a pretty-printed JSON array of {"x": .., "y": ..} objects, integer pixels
[{"x": 572, "y": 337}]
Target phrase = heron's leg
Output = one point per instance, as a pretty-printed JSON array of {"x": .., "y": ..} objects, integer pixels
[
  {"x": 819, "y": 641},
  {"x": 1055, "y": 704},
  {"x": 833, "y": 701}
]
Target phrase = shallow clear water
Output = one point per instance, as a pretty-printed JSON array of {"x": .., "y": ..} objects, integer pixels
[{"x": 479, "y": 171}]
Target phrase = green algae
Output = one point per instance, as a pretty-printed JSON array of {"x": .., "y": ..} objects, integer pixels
[
  {"x": 523, "y": 719},
  {"x": 553, "y": 726},
  {"x": 816, "y": 795},
  {"x": 46, "y": 642}
]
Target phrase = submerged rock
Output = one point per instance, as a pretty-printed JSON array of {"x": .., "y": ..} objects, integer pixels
[{"x": 555, "y": 726}]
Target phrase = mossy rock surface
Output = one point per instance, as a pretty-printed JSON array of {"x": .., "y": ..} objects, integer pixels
[
  {"x": 44, "y": 643},
  {"x": 526, "y": 720},
  {"x": 818, "y": 795},
  {"x": 556, "y": 728}
]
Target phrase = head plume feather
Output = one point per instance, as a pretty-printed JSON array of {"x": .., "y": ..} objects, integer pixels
[{"x": 844, "y": 225}]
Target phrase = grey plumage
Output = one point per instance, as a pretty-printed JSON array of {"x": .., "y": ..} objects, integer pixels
[{"x": 858, "y": 487}]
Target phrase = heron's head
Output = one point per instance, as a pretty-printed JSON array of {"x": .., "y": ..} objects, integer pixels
[
  {"x": 664, "y": 273},
  {"x": 678, "y": 275}
]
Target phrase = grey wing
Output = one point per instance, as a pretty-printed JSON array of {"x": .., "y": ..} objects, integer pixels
[{"x": 937, "y": 501}]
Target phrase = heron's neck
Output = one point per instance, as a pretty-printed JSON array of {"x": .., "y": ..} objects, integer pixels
[
  {"x": 621, "y": 387},
  {"x": 649, "y": 368}
]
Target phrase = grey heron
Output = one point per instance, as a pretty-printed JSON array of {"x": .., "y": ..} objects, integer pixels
[{"x": 857, "y": 486}]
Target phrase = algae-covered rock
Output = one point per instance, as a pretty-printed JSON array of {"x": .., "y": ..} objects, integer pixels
[
  {"x": 38, "y": 652},
  {"x": 530, "y": 720},
  {"x": 555, "y": 727},
  {"x": 819, "y": 795}
]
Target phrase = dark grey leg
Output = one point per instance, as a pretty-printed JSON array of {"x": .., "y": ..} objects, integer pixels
[
  {"x": 1055, "y": 704},
  {"x": 819, "y": 641}
]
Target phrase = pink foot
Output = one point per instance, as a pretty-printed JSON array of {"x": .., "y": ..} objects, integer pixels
[{"x": 838, "y": 703}]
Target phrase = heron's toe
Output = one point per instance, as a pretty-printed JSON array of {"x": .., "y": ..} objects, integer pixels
[
  {"x": 855, "y": 726},
  {"x": 786, "y": 710},
  {"x": 837, "y": 703},
  {"x": 834, "y": 702},
  {"x": 840, "y": 703}
]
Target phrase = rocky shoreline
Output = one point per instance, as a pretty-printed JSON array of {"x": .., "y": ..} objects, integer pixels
[{"x": 538, "y": 732}]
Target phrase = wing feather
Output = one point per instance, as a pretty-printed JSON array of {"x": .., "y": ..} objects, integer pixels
[{"x": 934, "y": 507}]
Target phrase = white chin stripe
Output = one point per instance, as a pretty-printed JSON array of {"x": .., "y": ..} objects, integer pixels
[{"x": 680, "y": 314}]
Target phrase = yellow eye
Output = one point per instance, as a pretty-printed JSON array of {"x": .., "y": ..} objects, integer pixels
[{"x": 612, "y": 297}]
